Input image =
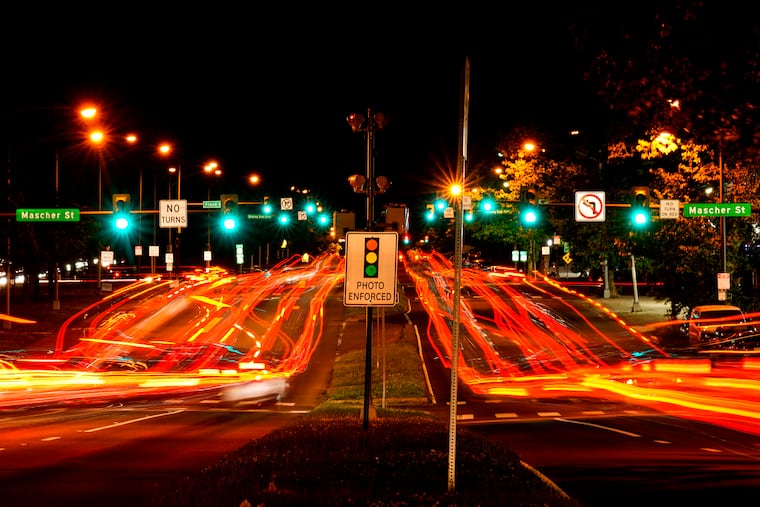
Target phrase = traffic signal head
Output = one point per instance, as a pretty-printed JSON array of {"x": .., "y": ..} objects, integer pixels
[
  {"x": 430, "y": 212},
  {"x": 487, "y": 205},
  {"x": 529, "y": 206},
  {"x": 229, "y": 211},
  {"x": 528, "y": 195},
  {"x": 121, "y": 210},
  {"x": 371, "y": 257},
  {"x": 266, "y": 207},
  {"x": 640, "y": 214}
]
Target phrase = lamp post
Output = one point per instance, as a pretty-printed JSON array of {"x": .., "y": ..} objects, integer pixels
[
  {"x": 175, "y": 251},
  {"x": 369, "y": 126},
  {"x": 211, "y": 168},
  {"x": 86, "y": 113},
  {"x": 165, "y": 149},
  {"x": 723, "y": 135},
  {"x": 724, "y": 263}
]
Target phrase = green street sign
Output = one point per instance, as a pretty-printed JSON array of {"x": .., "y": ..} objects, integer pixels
[
  {"x": 253, "y": 216},
  {"x": 717, "y": 209},
  {"x": 47, "y": 215},
  {"x": 212, "y": 204}
]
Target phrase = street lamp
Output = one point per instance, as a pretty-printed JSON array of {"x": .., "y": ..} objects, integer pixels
[
  {"x": 165, "y": 149},
  {"x": 211, "y": 168},
  {"x": 86, "y": 113}
]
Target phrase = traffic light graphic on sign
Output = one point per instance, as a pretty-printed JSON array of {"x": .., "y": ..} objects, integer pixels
[{"x": 371, "y": 257}]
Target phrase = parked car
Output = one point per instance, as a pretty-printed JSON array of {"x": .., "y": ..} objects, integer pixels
[
  {"x": 719, "y": 327},
  {"x": 567, "y": 272}
]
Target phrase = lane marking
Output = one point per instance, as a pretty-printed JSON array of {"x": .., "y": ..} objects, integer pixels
[
  {"x": 50, "y": 439},
  {"x": 506, "y": 415},
  {"x": 139, "y": 419},
  {"x": 599, "y": 426},
  {"x": 548, "y": 414}
]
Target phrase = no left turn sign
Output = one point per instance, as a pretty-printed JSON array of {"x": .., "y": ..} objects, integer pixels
[{"x": 589, "y": 207}]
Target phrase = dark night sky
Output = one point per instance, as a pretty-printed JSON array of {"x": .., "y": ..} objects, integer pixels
[{"x": 270, "y": 92}]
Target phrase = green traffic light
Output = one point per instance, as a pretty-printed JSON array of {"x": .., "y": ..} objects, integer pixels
[
  {"x": 640, "y": 218},
  {"x": 229, "y": 223},
  {"x": 529, "y": 216},
  {"x": 121, "y": 223}
]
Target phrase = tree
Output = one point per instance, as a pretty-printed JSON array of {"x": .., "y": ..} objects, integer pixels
[{"x": 689, "y": 69}]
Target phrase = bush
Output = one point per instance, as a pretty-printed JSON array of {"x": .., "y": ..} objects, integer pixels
[{"x": 329, "y": 461}]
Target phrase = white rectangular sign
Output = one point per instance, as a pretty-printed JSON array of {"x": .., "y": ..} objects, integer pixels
[
  {"x": 669, "y": 208},
  {"x": 172, "y": 213},
  {"x": 106, "y": 258},
  {"x": 371, "y": 269}
]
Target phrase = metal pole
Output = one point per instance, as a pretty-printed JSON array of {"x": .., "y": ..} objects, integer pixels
[
  {"x": 139, "y": 221},
  {"x": 7, "y": 323},
  {"x": 458, "y": 241},
  {"x": 100, "y": 208},
  {"x": 370, "y": 219},
  {"x": 179, "y": 229},
  {"x": 636, "y": 304},
  {"x": 100, "y": 180},
  {"x": 724, "y": 263},
  {"x": 153, "y": 259},
  {"x": 208, "y": 231},
  {"x": 56, "y": 278}
]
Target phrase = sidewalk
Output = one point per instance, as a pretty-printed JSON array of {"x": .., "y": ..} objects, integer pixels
[{"x": 647, "y": 312}]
